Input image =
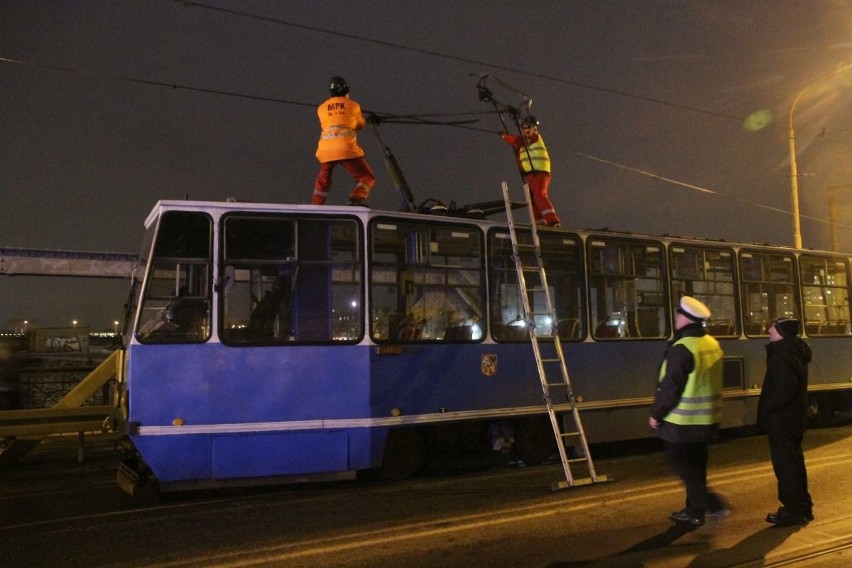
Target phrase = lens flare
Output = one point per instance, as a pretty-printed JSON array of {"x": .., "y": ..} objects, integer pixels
[{"x": 758, "y": 120}]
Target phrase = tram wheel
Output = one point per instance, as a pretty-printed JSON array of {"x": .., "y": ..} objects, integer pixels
[
  {"x": 405, "y": 453},
  {"x": 534, "y": 440}
]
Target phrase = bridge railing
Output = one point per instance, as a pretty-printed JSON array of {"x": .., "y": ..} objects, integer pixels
[{"x": 28, "y": 427}]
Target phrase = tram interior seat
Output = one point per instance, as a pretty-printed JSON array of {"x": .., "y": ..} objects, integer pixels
[
  {"x": 607, "y": 328},
  {"x": 410, "y": 332},
  {"x": 721, "y": 327},
  {"x": 509, "y": 332},
  {"x": 568, "y": 328},
  {"x": 458, "y": 333},
  {"x": 646, "y": 321},
  {"x": 181, "y": 319},
  {"x": 831, "y": 327},
  {"x": 756, "y": 327}
]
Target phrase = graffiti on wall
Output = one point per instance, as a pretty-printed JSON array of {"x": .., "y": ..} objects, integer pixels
[{"x": 63, "y": 344}]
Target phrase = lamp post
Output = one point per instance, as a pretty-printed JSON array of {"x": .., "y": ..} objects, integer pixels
[
  {"x": 832, "y": 214},
  {"x": 794, "y": 172}
]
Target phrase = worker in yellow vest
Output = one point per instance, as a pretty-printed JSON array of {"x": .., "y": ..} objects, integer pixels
[
  {"x": 534, "y": 163},
  {"x": 687, "y": 409},
  {"x": 340, "y": 118}
]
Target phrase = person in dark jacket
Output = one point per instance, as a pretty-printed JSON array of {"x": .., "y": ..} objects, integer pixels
[
  {"x": 782, "y": 413},
  {"x": 687, "y": 409}
]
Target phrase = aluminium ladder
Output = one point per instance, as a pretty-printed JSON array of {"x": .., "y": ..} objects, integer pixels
[{"x": 550, "y": 365}]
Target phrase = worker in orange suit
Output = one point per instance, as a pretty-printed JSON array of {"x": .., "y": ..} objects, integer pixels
[
  {"x": 340, "y": 118},
  {"x": 534, "y": 163}
]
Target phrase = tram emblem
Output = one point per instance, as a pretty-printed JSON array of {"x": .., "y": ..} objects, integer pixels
[{"x": 489, "y": 364}]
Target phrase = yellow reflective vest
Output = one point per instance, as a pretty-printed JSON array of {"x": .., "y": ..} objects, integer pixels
[
  {"x": 701, "y": 401},
  {"x": 537, "y": 158}
]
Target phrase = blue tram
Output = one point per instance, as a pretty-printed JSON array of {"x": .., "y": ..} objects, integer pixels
[{"x": 291, "y": 342}]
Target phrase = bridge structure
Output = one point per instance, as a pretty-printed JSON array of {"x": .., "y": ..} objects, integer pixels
[
  {"x": 25, "y": 428},
  {"x": 45, "y": 262}
]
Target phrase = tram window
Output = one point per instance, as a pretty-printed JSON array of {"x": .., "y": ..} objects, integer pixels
[
  {"x": 627, "y": 291},
  {"x": 825, "y": 290},
  {"x": 426, "y": 282},
  {"x": 290, "y": 280},
  {"x": 707, "y": 274},
  {"x": 768, "y": 290},
  {"x": 176, "y": 303},
  {"x": 563, "y": 261}
]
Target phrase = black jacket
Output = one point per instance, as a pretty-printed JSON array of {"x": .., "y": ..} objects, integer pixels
[{"x": 783, "y": 404}]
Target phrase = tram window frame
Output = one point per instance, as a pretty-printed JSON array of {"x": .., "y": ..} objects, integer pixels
[
  {"x": 175, "y": 301},
  {"x": 762, "y": 289},
  {"x": 564, "y": 261},
  {"x": 719, "y": 294},
  {"x": 263, "y": 292},
  {"x": 426, "y": 284},
  {"x": 823, "y": 295},
  {"x": 613, "y": 271}
]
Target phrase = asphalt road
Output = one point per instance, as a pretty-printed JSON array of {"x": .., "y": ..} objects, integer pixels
[{"x": 56, "y": 512}]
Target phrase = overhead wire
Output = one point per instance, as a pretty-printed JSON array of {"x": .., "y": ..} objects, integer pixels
[
  {"x": 392, "y": 118},
  {"x": 423, "y": 118},
  {"x": 452, "y": 57},
  {"x": 525, "y": 72}
]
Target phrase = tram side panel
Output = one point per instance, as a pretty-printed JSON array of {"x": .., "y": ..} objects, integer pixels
[
  {"x": 429, "y": 379},
  {"x": 208, "y": 411}
]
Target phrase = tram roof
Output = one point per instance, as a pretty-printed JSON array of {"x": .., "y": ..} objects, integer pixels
[{"x": 186, "y": 205}]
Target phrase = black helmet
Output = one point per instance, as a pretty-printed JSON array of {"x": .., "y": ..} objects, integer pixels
[
  {"x": 339, "y": 87},
  {"x": 530, "y": 121}
]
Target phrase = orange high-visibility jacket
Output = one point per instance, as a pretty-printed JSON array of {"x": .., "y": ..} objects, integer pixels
[{"x": 340, "y": 118}]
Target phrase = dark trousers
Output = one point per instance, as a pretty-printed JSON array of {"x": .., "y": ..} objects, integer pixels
[
  {"x": 689, "y": 462},
  {"x": 788, "y": 461}
]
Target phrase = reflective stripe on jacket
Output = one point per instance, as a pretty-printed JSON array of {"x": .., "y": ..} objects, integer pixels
[
  {"x": 701, "y": 401},
  {"x": 340, "y": 118},
  {"x": 538, "y": 153}
]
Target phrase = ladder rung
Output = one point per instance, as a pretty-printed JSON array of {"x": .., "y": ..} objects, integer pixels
[{"x": 523, "y": 267}]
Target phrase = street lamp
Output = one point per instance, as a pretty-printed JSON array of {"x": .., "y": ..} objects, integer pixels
[
  {"x": 832, "y": 214},
  {"x": 794, "y": 173}
]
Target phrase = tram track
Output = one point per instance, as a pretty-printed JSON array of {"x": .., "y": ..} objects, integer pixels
[
  {"x": 805, "y": 556},
  {"x": 316, "y": 525},
  {"x": 312, "y": 548}
]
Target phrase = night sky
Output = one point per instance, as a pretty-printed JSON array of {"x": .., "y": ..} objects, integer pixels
[{"x": 109, "y": 106}]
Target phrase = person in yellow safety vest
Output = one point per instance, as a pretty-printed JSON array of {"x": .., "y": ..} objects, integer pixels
[
  {"x": 340, "y": 118},
  {"x": 534, "y": 163},
  {"x": 687, "y": 409}
]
